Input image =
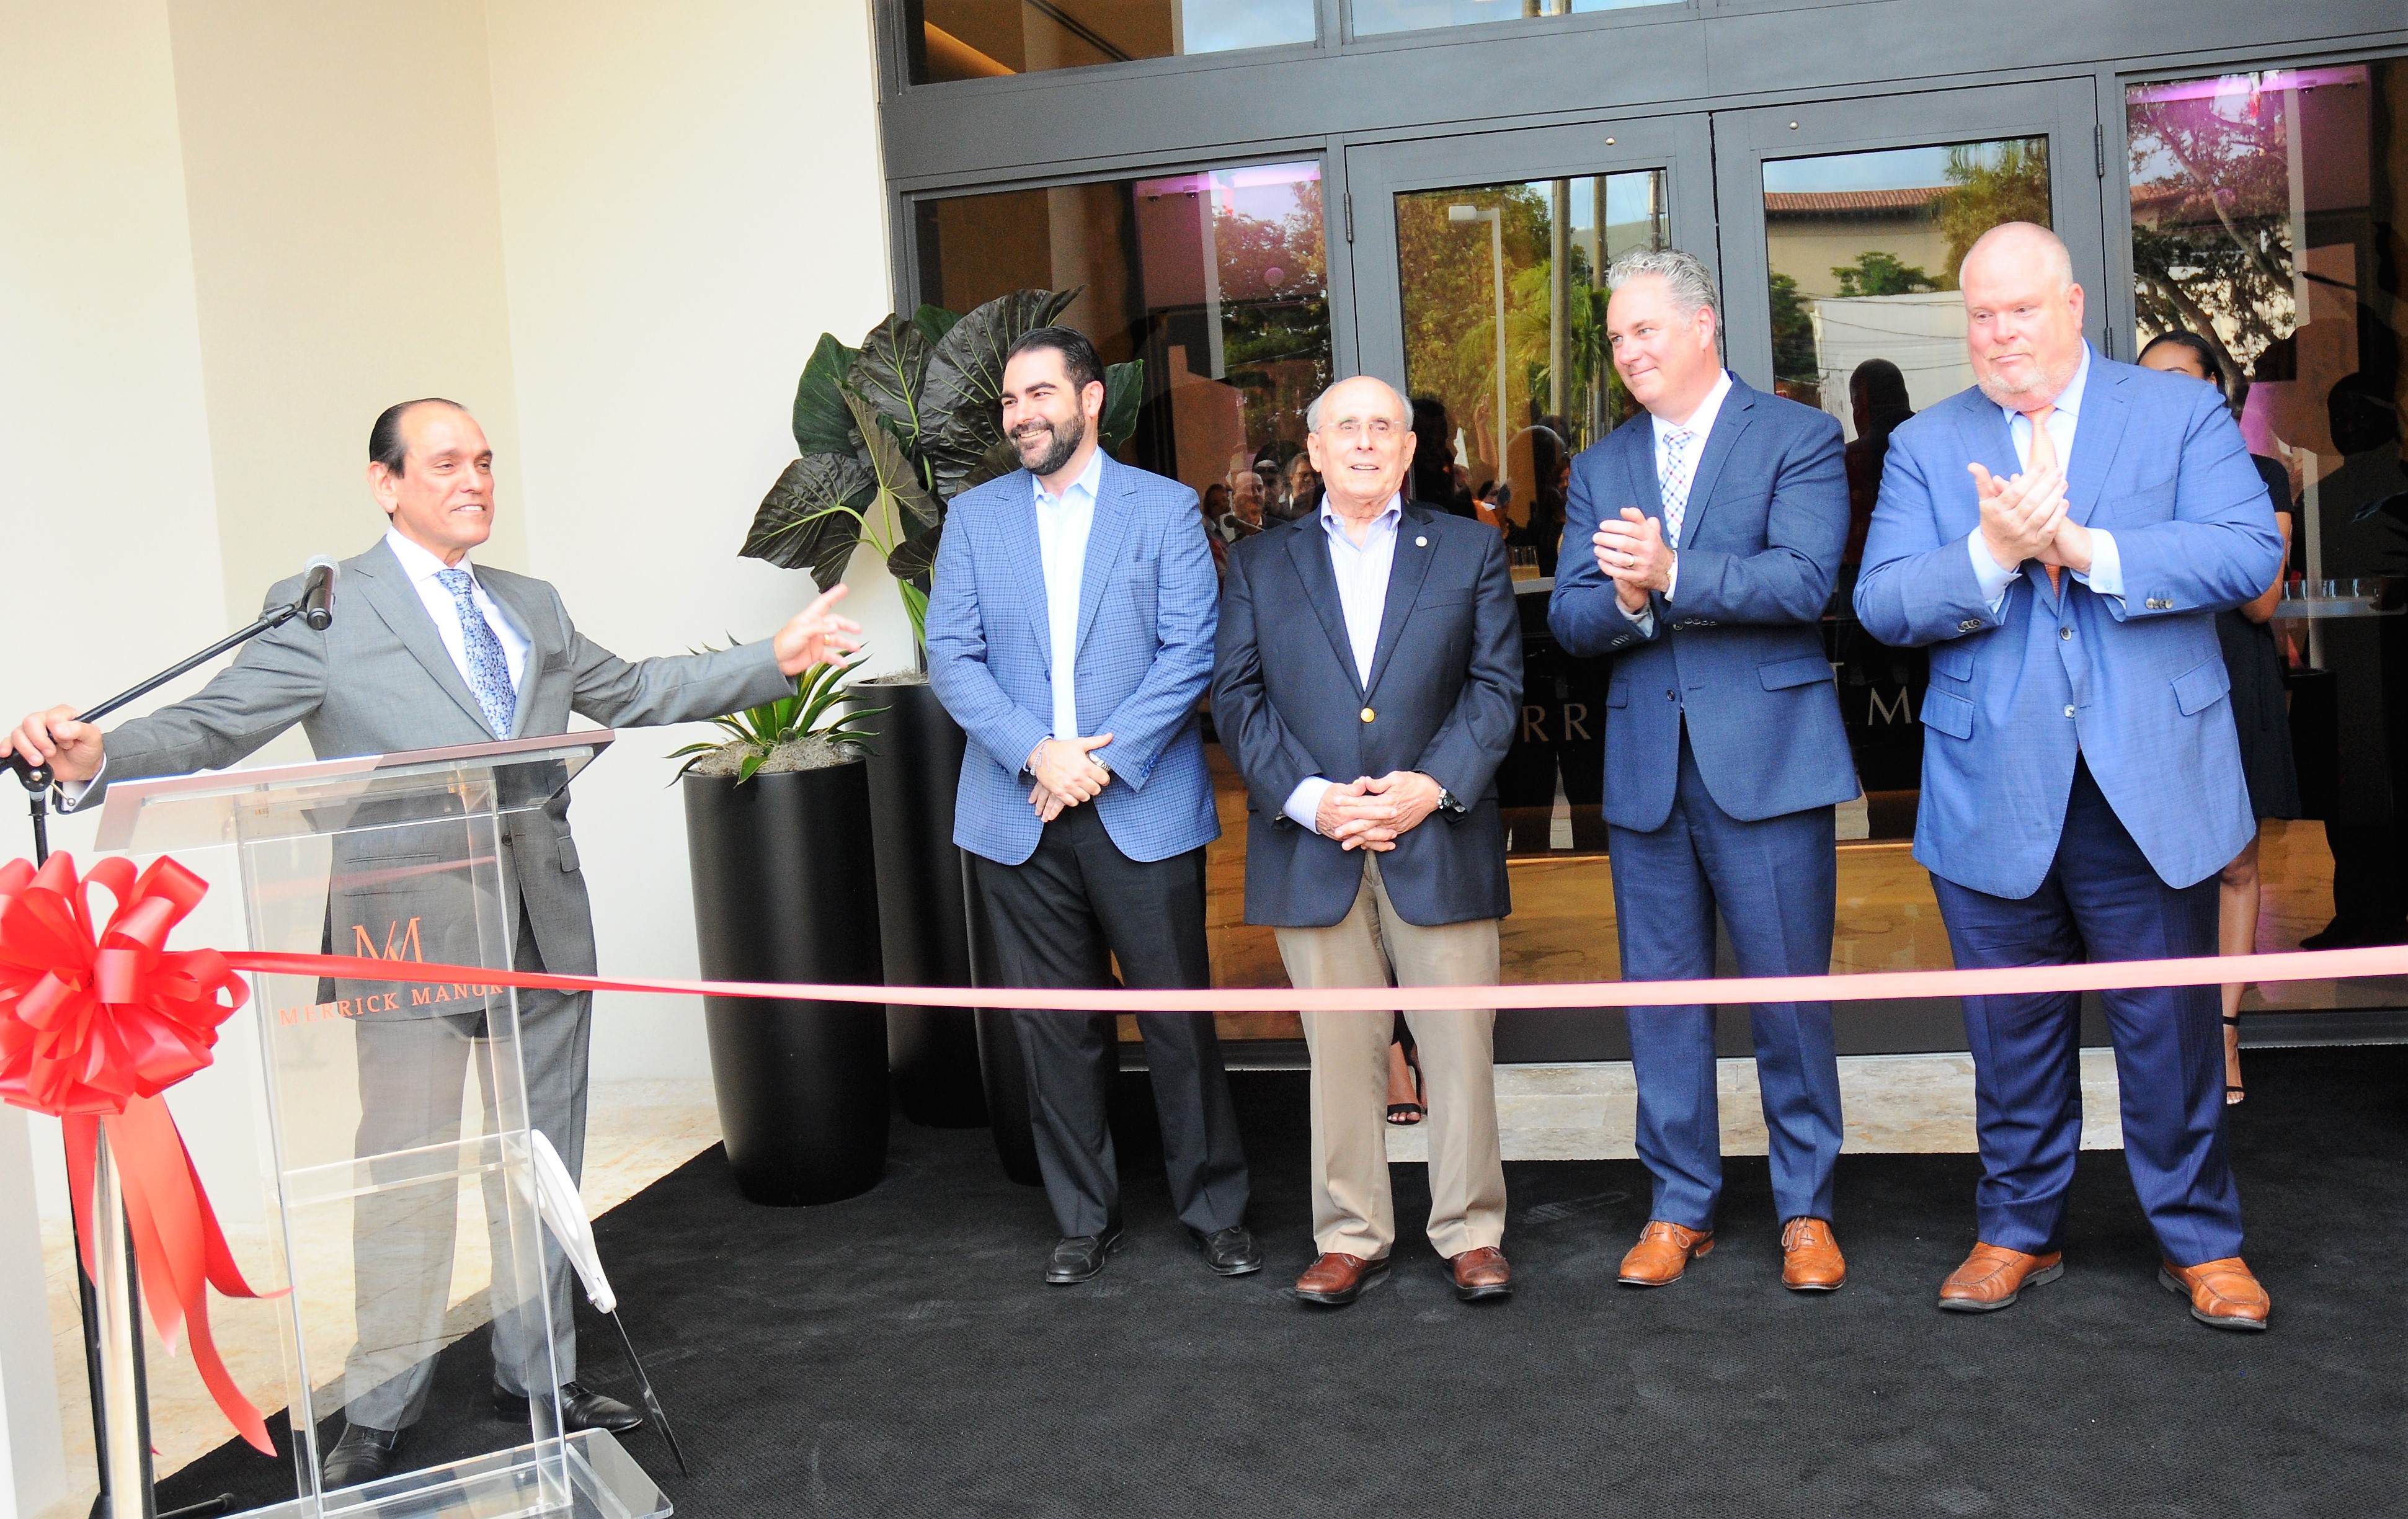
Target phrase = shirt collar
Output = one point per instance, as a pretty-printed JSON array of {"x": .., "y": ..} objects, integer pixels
[
  {"x": 1089, "y": 478},
  {"x": 2069, "y": 401},
  {"x": 1389, "y": 516},
  {"x": 417, "y": 562},
  {"x": 1701, "y": 420}
]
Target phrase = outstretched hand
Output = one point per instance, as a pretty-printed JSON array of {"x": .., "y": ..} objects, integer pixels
[{"x": 817, "y": 636}]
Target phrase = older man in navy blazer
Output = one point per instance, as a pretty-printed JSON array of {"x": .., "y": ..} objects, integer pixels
[
  {"x": 1700, "y": 545},
  {"x": 1369, "y": 680},
  {"x": 2061, "y": 536},
  {"x": 1070, "y": 633}
]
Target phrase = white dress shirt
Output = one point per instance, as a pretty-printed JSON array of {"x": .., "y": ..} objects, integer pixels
[
  {"x": 1701, "y": 422},
  {"x": 1362, "y": 571},
  {"x": 2106, "y": 572},
  {"x": 421, "y": 567},
  {"x": 1063, "y": 524}
]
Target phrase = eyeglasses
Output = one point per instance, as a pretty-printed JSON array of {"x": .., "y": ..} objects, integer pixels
[{"x": 1380, "y": 429}]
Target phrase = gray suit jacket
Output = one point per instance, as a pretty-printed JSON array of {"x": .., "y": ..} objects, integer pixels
[{"x": 379, "y": 680}]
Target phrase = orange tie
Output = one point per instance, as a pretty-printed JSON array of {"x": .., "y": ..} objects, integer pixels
[{"x": 2043, "y": 456}]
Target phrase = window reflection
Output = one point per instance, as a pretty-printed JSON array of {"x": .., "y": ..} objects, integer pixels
[
  {"x": 2266, "y": 218},
  {"x": 971, "y": 39},
  {"x": 1372, "y": 16},
  {"x": 1217, "y": 279}
]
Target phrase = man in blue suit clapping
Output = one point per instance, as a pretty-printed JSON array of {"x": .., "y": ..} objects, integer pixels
[
  {"x": 2061, "y": 537},
  {"x": 1069, "y": 634},
  {"x": 1699, "y": 547}
]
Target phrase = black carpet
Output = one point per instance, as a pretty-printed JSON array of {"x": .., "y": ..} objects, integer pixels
[{"x": 898, "y": 1354}]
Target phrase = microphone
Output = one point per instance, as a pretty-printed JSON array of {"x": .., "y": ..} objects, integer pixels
[{"x": 318, "y": 593}]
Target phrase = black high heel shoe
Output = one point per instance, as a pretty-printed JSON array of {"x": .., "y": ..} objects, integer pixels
[{"x": 2234, "y": 1092}]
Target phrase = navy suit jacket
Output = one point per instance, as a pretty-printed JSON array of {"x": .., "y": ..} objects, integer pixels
[
  {"x": 1740, "y": 650},
  {"x": 1444, "y": 694},
  {"x": 2136, "y": 684}
]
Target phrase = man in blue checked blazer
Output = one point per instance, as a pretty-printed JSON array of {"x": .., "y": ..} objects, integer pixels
[
  {"x": 1070, "y": 633},
  {"x": 2060, "y": 536},
  {"x": 1699, "y": 547}
]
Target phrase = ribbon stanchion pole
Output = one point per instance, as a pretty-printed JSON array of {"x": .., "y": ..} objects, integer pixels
[{"x": 119, "y": 1391}]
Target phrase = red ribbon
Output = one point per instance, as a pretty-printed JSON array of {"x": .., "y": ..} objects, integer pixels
[{"x": 93, "y": 1026}]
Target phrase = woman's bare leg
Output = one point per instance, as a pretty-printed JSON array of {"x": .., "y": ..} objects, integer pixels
[{"x": 2236, "y": 932}]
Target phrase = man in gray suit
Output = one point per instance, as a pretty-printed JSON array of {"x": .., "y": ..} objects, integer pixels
[{"x": 430, "y": 651}]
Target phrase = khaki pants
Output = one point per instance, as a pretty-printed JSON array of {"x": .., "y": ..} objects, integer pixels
[{"x": 1372, "y": 946}]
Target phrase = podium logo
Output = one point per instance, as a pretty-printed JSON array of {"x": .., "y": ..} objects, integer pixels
[{"x": 400, "y": 942}]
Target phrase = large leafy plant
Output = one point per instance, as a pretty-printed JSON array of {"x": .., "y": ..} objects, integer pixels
[
  {"x": 804, "y": 714},
  {"x": 891, "y": 432}
]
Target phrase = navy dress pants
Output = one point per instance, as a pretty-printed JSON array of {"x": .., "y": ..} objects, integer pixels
[
  {"x": 2101, "y": 900},
  {"x": 1775, "y": 884}
]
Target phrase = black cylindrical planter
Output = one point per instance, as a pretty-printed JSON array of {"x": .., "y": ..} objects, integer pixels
[
  {"x": 1005, "y": 1071},
  {"x": 932, "y": 1054},
  {"x": 780, "y": 892}
]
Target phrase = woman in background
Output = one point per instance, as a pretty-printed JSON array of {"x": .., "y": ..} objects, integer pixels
[{"x": 2254, "y": 664}]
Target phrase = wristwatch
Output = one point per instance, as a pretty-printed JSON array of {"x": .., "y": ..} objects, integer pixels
[{"x": 1447, "y": 802}]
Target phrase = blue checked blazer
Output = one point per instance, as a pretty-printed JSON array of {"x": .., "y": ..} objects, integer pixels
[
  {"x": 2137, "y": 683},
  {"x": 1148, "y": 609}
]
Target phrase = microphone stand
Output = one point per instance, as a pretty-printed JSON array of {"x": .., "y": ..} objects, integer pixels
[{"x": 119, "y": 1394}]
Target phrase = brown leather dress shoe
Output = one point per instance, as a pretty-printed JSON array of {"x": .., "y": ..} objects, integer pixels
[
  {"x": 1338, "y": 1278},
  {"x": 1664, "y": 1251},
  {"x": 1992, "y": 1277},
  {"x": 1482, "y": 1275},
  {"x": 1810, "y": 1257},
  {"x": 2223, "y": 1295}
]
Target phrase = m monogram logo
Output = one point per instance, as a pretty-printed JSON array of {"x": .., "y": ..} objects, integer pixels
[{"x": 400, "y": 942}]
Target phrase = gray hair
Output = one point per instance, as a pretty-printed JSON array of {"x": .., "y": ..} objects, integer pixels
[
  {"x": 1313, "y": 413},
  {"x": 1686, "y": 277}
]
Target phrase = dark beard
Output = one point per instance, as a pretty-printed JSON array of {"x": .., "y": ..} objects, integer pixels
[{"x": 1066, "y": 443}]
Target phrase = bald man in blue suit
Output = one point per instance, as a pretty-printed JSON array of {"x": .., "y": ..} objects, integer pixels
[{"x": 2060, "y": 536}]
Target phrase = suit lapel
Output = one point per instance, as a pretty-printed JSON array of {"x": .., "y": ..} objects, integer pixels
[
  {"x": 1310, "y": 555},
  {"x": 1639, "y": 460},
  {"x": 386, "y": 588},
  {"x": 1406, "y": 571},
  {"x": 1020, "y": 527},
  {"x": 1112, "y": 512},
  {"x": 1736, "y": 411},
  {"x": 2097, "y": 431},
  {"x": 505, "y": 591}
]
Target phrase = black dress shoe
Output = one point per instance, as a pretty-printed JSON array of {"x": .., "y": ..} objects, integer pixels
[
  {"x": 362, "y": 1456},
  {"x": 1080, "y": 1256},
  {"x": 1230, "y": 1251},
  {"x": 580, "y": 1407}
]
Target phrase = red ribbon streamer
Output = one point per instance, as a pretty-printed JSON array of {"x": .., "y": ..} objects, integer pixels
[{"x": 93, "y": 1026}]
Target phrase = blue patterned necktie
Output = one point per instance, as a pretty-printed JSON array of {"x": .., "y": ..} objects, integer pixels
[
  {"x": 489, "y": 672},
  {"x": 1675, "y": 482}
]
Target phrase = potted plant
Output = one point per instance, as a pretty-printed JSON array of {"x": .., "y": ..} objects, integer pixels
[
  {"x": 890, "y": 432},
  {"x": 777, "y": 821}
]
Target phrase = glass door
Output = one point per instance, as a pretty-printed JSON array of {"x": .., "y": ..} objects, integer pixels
[{"x": 1843, "y": 224}]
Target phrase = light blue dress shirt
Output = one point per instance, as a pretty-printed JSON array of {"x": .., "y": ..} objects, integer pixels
[
  {"x": 1362, "y": 571},
  {"x": 2106, "y": 572},
  {"x": 1063, "y": 524}
]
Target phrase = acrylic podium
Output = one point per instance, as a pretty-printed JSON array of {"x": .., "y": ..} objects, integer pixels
[{"x": 394, "y": 1147}]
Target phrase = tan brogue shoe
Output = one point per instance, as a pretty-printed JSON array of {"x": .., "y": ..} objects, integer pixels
[
  {"x": 2223, "y": 1295},
  {"x": 1664, "y": 1251},
  {"x": 1338, "y": 1278},
  {"x": 1481, "y": 1275},
  {"x": 1992, "y": 1277},
  {"x": 1810, "y": 1257}
]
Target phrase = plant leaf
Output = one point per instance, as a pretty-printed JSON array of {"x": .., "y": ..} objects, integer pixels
[
  {"x": 811, "y": 518},
  {"x": 915, "y": 604},
  {"x": 1123, "y": 392},
  {"x": 964, "y": 397},
  {"x": 890, "y": 372},
  {"x": 934, "y": 322},
  {"x": 898, "y": 478},
  {"x": 914, "y": 557},
  {"x": 751, "y": 765},
  {"x": 821, "y": 423}
]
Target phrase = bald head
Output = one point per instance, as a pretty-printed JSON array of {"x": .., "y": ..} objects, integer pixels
[
  {"x": 2023, "y": 315},
  {"x": 1361, "y": 443}
]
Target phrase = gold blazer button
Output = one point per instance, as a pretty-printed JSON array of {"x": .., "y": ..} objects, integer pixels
[{"x": 1369, "y": 714}]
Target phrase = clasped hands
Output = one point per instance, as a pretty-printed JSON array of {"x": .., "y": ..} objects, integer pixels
[
  {"x": 1370, "y": 812},
  {"x": 2024, "y": 517},
  {"x": 1632, "y": 554},
  {"x": 1067, "y": 773}
]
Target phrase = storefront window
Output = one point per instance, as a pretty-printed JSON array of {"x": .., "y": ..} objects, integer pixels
[
  {"x": 977, "y": 40},
  {"x": 2267, "y": 224},
  {"x": 1372, "y": 16},
  {"x": 1217, "y": 279}
]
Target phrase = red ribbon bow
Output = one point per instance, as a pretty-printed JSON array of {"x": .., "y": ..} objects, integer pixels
[{"x": 93, "y": 1026}]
